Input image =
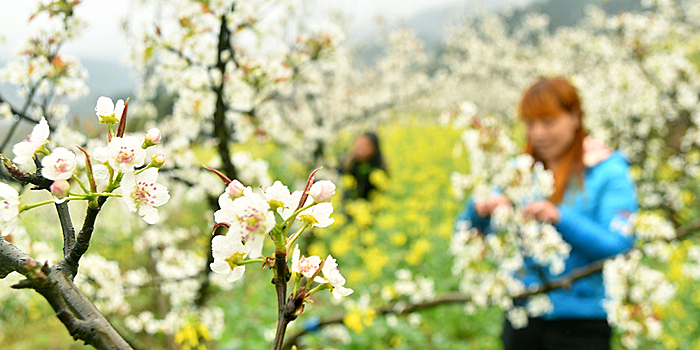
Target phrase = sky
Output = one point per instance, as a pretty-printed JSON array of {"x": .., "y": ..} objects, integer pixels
[{"x": 104, "y": 40}]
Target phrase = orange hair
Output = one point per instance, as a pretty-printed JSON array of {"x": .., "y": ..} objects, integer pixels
[{"x": 550, "y": 97}]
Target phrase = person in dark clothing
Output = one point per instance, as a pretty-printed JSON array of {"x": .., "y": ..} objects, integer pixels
[{"x": 365, "y": 158}]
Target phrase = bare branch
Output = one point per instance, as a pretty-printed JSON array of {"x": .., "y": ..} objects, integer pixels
[
  {"x": 81, "y": 318},
  {"x": 70, "y": 262},
  {"x": 66, "y": 226}
]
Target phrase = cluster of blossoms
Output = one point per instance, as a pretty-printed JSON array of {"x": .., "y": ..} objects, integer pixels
[
  {"x": 250, "y": 217},
  {"x": 121, "y": 163},
  {"x": 418, "y": 289},
  {"x": 639, "y": 95},
  {"x": 210, "y": 322},
  {"x": 634, "y": 293},
  {"x": 487, "y": 266},
  {"x": 41, "y": 72},
  {"x": 488, "y": 263},
  {"x": 487, "y": 145}
]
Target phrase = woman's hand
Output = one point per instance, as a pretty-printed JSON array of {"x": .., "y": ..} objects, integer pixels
[
  {"x": 486, "y": 207},
  {"x": 543, "y": 211}
]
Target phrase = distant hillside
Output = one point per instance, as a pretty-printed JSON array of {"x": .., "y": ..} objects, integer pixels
[
  {"x": 568, "y": 12},
  {"x": 429, "y": 25}
]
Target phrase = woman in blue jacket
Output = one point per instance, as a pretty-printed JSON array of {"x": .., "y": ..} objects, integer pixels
[{"x": 593, "y": 189}]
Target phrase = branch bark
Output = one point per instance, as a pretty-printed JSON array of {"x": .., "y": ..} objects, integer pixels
[
  {"x": 80, "y": 317},
  {"x": 66, "y": 227},
  {"x": 280, "y": 282},
  {"x": 70, "y": 262}
]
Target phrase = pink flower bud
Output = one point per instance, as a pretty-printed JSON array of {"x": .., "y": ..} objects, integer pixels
[
  {"x": 60, "y": 188},
  {"x": 152, "y": 137},
  {"x": 322, "y": 191},
  {"x": 235, "y": 189}
]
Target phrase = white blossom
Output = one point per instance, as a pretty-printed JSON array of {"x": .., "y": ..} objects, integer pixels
[
  {"x": 252, "y": 215},
  {"x": 24, "y": 151},
  {"x": 9, "y": 208},
  {"x": 332, "y": 276},
  {"x": 59, "y": 165},
  {"x": 141, "y": 193},
  {"x": 306, "y": 266},
  {"x": 107, "y": 111},
  {"x": 228, "y": 252},
  {"x": 122, "y": 154}
]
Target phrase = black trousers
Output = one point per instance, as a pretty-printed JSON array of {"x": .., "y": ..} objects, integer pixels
[{"x": 558, "y": 335}]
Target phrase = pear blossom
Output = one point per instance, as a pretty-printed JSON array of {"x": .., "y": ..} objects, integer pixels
[
  {"x": 142, "y": 193},
  {"x": 9, "y": 208},
  {"x": 278, "y": 196},
  {"x": 285, "y": 213},
  {"x": 122, "y": 153},
  {"x": 228, "y": 251},
  {"x": 107, "y": 111},
  {"x": 306, "y": 266},
  {"x": 322, "y": 191},
  {"x": 24, "y": 151},
  {"x": 318, "y": 215},
  {"x": 59, "y": 165},
  {"x": 100, "y": 171},
  {"x": 152, "y": 137},
  {"x": 332, "y": 276},
  {"x": 251, "y": 214}
]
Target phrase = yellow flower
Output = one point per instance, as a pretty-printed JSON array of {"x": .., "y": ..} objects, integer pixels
[
  {"x": 353, "y": 320},
  {"x": 417, "y": 252},
  {"x": 368, "y": 238},
  {"x": 357, "y": 319},
  {"x": 375, "y": 259},
  {"x": 355, "y": 276},
  {"x": 379, "y": 179},
  {"x": 348, "y": 182},
  {"x": 340, "y": 246},
  {"x": 397, "y": 239},
  {"x": 317, "y": 248}
]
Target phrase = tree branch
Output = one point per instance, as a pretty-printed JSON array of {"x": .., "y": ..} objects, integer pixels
[
  {"x": 66, "y": 226},
  {"x": 70, "y": 262},
  {"x": 280, "y": 282},
  {"x": 80, "y": 317}
]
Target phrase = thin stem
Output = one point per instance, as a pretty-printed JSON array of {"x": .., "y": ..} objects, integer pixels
[
  {"x": 318, "y": 288},
  {"x": 296, "y": 235},
  {"x": 251, "y": 261},
  {"x": 51, "y": 201},
  {"x": 110, "y": 128},
  {"x": 297, "y": 280},
  {"x": 292, "y": 217},
  {"x": 106, "y": 194},
  {"x": 82, "y": 185},
  {"x": 73, "y": 198},
  {"x": 142, "y": 170}
]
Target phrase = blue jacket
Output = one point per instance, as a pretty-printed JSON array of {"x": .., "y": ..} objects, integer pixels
[{"x": 608, "y": 194}]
